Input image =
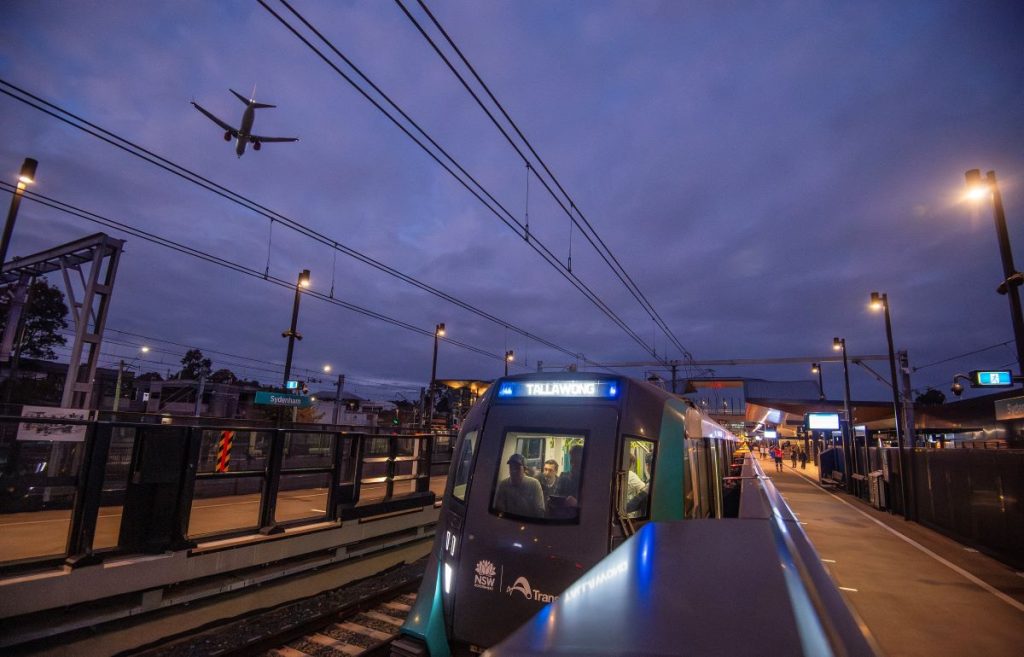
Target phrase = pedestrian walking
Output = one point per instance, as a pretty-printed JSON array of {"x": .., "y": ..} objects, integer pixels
[
  {"x": 777, "y": 455},
  {"x": 792, "y": 457},
  {"x": 803, "y": 459}
]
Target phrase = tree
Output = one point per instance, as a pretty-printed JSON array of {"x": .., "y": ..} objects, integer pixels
[
  {"x": 149, "y": 376},
  {"x": 224, "y": 375},
  {"x": 931, "y": 397},
  {"x": 42, "y": 319},
  {"x": 193, "y": 364}
]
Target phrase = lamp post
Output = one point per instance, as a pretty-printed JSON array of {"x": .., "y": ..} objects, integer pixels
[
  {"x": 438, "y": 334},
  {"x": 291, "y": 333},
  {"x": 120, "y": 373},
  {"x": 977, "y": 189},
  {"x": 25, "y": 178},
  {"x": 816, "y": 369},
  {"x": 840, "y": 344},
  {"x": 880, "y": 301},
  {"x": 337, "y": 394},
  {"x": 509, "y": 357}
]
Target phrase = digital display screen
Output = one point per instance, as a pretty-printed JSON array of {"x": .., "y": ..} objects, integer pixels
[
  {"x": 566, "y": 389},
  {"x": 771, "y": 435},
  {"x": 993, "y": 378},
  {"x": 823, "y": 421},
  {"x": 291, "y": 385}
]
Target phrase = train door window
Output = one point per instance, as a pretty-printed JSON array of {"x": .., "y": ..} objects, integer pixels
[
  {"x": 638, "y": 464},
  {"x": 539, "y": 476},
  {"x": 464, "y": 467}
]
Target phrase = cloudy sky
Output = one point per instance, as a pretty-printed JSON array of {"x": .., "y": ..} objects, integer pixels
[{"x": 758, "y": 168}]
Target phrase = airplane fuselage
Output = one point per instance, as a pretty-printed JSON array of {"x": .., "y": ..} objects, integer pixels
[{"x": 248, "y": 116}]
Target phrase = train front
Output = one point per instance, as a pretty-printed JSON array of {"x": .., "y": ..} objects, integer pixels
[{"x": 526, "y": 511}]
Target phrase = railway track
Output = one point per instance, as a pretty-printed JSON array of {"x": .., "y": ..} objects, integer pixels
[{"x": 355, "y": 633}]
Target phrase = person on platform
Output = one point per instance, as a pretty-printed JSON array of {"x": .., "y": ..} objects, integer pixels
[
  {"x": 792, "y": 457},
  {"x": 803, "y": 459},
  {"x": 777, "y": 455},
  {"x": 517, "y": 493}
]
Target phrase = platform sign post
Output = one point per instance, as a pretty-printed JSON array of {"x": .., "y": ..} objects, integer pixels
[
  {"x": 224, "y": 451},
  {"x": 991, "y": 379}
]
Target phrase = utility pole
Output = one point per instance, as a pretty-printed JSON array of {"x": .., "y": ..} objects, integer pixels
[
  {"x": 202, "y": 389},
  {"x": 337, "y": 398},
  {"x": 909, "y": 440},
  {"x": 117, "y": 386}
]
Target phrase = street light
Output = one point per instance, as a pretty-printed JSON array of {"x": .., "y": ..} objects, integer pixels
[
  {"x": 509, "y": 357},
  {"x": 438, "y": 334},
  {"x": 120, "y": 373},
  {"x": 26, "y": 177},
  {"x": 291, "y": 333},
  {"x": 816, "y": 369},
  {"x": 880, "y": 301},
  {"x": 337, "y": 394},
  {"x": 839, "y": 344},
  {"x": 977, "y": 190}
]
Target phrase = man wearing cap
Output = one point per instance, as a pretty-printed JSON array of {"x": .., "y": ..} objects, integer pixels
[{"x": 517, "y": 493}]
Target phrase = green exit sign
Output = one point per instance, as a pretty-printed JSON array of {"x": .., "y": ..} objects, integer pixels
[{"x": 991, "y": 378}]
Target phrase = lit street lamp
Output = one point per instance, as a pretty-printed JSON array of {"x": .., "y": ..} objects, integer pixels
[
  {"x": 840, "y": 344},
  {"x": 977, "y": 190},
  {"x": 880, "y": 301},
  {"x": 438, "y": 334},
  {"x": 120, "y": 373},
  {"x": 816, "y": 369},
  {"x": 509, "y": 357},
  {"x": 292, "y": 334},
  {"x": 25, "y": 178}
]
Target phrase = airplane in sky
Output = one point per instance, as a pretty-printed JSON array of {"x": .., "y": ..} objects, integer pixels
[{"x": 244, "y": 134}]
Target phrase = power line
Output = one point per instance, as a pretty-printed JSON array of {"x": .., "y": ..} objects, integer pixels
[
  {"x": 603, "y": 250},
  {"x": 969, "y": 353},
  {"x": 504, "y": 216},
  {"x": 229, "y": 264},
  {"x": 196, "y": 179}
]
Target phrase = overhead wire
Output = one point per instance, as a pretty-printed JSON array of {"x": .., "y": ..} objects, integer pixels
[
  {"x": 504, "y": 215},
  {"x": 229, "y": 264},
  {"x": 140, "y": 152},
  {"x": 600, "y": 247}
]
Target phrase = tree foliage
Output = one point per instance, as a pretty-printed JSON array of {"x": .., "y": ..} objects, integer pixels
[
  {"x": 149, "y": 376},
  {"x": 931, "y": 397},
  {"x": 193, "y": 365},
  {"x": 43, "y": 318},
  {"x": 223, "y": 375}
]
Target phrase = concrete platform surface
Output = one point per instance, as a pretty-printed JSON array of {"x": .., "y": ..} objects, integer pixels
[{"x": 918, "y": 592}]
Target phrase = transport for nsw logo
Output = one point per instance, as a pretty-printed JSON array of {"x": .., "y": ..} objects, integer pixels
[
  {"x": 483, "y": 576},
  {"x": 523, "y": 586}
]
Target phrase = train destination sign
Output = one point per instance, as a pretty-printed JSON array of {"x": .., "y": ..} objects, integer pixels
[
  {"x": 991, "y": 379},
  {"x": 576, "y": 389},
  {"x": 281, "y": 399}
]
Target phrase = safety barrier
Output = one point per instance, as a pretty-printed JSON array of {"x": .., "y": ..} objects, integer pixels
[{"x": 77, "y": 492}]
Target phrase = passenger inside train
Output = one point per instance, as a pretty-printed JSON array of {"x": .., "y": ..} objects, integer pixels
[{"x": 557, "y": 464}]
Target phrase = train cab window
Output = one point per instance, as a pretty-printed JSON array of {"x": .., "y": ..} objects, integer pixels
[
  {"x": 465, "y": 463},
  {"x": 540, "y": 476},
  {"x": 638, "y": 464}
]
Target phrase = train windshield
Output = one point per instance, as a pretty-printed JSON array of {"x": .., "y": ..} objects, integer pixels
[
  {"x": 539, "y": 476},
  {"x": 465, "y": 463}
]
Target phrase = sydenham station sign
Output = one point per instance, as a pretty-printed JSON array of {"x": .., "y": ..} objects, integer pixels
[{"x": 281, "y": 399}]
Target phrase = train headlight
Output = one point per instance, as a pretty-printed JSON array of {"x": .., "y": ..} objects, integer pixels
[{"x": 448, "y": 574}]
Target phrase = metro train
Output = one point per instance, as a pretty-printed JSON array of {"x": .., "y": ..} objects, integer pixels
[{"x": 550, "y": 473}]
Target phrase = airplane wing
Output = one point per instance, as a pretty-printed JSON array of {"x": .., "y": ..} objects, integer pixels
[
  {"x": 255, "y": 138},
  {"x": 225, "y": 126}
]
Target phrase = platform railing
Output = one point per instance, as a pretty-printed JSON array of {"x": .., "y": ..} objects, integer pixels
[
  {"x": 76, "y": 492},
  {"x": 826, "y": 623}
]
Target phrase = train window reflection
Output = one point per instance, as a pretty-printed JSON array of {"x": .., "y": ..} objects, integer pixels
[
  {"x": 465, "y": 461},
  {"x": 540, "y": 476},
  {"x": 638, "y": 462}
]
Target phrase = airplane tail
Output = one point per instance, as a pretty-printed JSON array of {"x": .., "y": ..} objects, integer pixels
[{"x": 248, "y": 102}]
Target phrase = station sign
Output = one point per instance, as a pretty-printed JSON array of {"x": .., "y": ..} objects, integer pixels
[
  {"x": 822, "y": 421},
  {"x": 566, "y": 389},
  {"x": 770, "y": 435},
  {"x": 991, "y": 379},
  {"x": 281, "y": 399}
]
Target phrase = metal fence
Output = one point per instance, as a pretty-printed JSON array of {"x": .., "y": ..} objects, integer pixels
[
  {"x": 77, "y": 491},
  {"x": 975, "y": 496}
]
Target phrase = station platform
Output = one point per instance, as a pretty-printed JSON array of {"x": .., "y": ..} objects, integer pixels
[{"x": 918, "y": 592}]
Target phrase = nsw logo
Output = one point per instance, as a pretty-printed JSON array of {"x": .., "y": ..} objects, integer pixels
[{"x": 483, "y": 575}]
